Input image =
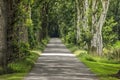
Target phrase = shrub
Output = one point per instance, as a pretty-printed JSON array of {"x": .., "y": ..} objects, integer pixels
[
  {"x": 23, "y": 49},
  {"x": 114, "y": 55}
]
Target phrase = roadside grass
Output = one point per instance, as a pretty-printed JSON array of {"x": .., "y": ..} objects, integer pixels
[
  {"x": 103, "y": 70},
  {"x": 101, "y": 66},
  {"x": 19, "y": 68},
  {"x": 14, "y": 76}
]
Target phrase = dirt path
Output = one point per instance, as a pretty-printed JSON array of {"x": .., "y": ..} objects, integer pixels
[{"x": 58, "y": 63}]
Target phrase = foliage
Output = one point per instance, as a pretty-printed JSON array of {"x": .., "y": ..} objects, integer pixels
[
  {"x": 19, "y": 68},
  {"x": 109, "y": 37},
  {"x": 114, "y": 11},
  {"x": 24, "y": 49},
  {"x": 20, "y": 65},
  {"x": 86, "y": 37},
  {"x": 117, "y": 44},
  {"x": 70, "y": 37},
  {"x": 102, "y": 66},
  {"x": 115, "y": 55},
  {"x": 26, "y": 28},
  {"x": 113, "y": 52}
]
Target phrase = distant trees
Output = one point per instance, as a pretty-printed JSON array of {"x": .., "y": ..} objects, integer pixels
[{"x": 82, "y": 22}]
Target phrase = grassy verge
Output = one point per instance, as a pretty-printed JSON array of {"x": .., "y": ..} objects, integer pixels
[
  {"x": 18, "y": 69},
  {"x": 103, "y": 67}
]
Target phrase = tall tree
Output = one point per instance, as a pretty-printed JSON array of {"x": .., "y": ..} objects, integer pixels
[{"x": 91, "y": 15}]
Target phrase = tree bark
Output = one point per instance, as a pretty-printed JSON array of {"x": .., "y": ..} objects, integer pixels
[
  {"x": 98, "y": 22},
  {"x": 3, "y": 35},
  {"x": 78, "y": 21}
]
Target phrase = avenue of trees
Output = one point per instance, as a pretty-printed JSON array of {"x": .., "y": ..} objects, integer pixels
[{"x": 93, "y": 25}]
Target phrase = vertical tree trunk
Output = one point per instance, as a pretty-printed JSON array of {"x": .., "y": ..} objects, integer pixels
[
  {"x": 44, "y": 14},
  {"x": 3, "y": 36},
  {"x": 78, "y": 21},
  {"x": 85, "y": 18},
  {"x": 98, "y": 22}
]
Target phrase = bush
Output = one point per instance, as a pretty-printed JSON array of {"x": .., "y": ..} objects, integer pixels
[
  {"x": 23, "y": 49},
  {"x": 70, "y": 37},
  {"x": 114, "y": 55},
  {"x": 117, "y": 44},
  {"x": 109, "y": 36},
  {"x": 23, "y": 65}
]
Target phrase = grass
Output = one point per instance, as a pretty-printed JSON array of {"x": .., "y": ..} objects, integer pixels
[
  {"x": 103, "y": 67},
  {"x": 103, "y": 70},
  {"x": 14, "y": 76},
  {"x": 20, "y": 68}
]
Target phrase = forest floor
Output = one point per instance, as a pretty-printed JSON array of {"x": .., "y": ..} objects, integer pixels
[{"x": 58, "y": 63}]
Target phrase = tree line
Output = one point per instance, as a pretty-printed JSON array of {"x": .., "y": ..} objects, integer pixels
[{"x": 89, "y": 24}]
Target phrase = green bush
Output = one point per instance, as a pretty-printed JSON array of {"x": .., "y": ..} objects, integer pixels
[
  {"x": 114, "y": 55},
  {"x": 23, "y": 65},
  {"x": 70, "y": 37},
  {"x": 109, "y": 36},
  {"x": 23, "y": 49},
  {"x": 45, "y": 41},
  {"x": 117, "y": 44}
]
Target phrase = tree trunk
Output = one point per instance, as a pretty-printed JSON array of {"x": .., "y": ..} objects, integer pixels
[
  {"x": 44, "y": 24},
  {"x": 78, "y": 21},
  {"x": 97, "y": 24},
  {"x": 3, "y": 35}
]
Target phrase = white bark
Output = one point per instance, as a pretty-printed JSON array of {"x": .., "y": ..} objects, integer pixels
[
  {"x": 97, "y": 42},
  {"x": 97, "y": 20}
]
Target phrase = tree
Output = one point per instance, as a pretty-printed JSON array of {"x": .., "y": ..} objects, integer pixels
[
  {"x": 3, "y": 36},
  {"x": 93, "y": 21}
]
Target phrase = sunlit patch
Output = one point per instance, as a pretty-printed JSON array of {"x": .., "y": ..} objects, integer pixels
[{"x": 56, "y": 54}]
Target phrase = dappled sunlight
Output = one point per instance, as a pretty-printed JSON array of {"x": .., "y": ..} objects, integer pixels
[
  {"x": 56, "y": 54},
  {"x": 58, "y": 63}
]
